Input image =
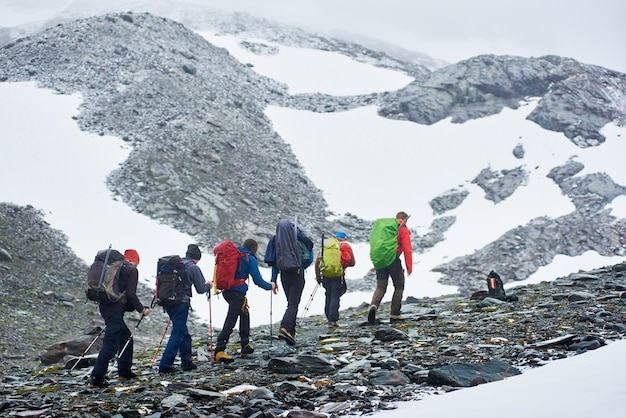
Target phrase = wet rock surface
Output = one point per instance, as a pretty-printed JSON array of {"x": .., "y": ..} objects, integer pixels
[{"x": 442, "y": 344}]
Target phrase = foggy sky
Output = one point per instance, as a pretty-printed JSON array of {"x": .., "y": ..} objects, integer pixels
[{"x": 591, "y": 32}]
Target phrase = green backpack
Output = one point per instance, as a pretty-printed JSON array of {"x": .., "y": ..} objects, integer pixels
[
  {"x": 330, "y": 262},
  {"x": 384, "y": 242}
]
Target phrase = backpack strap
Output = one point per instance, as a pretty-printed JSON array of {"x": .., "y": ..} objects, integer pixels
[{"x": 241, "y": 280}]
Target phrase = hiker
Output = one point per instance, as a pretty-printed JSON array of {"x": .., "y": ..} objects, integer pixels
[
  {"x": 396, "y": 272},
  {"x": 180, "y": 339},
  {"x": 293, "y": 254},
  {"x": 333, "y": 278},
  {"x": 116, "y": 333},
  {"x": 238, "y": 302}
]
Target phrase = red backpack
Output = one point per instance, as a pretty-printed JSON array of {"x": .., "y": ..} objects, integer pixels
[{"x": 227, "y": 260}]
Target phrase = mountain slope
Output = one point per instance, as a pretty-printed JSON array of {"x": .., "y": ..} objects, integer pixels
[
  {"x": 207, "y": 161},
  {"x": 193, "y": 114},
  {"x": 576, "y": 99}
]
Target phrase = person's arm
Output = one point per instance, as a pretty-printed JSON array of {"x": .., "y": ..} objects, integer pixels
[
  {"x": 318, "y": 273},
  {"x": 404, "y": 244},
  {"x": 253, "y": 268},
  {"x": 132, "y": 300},
  {"x": 197, "y": 279}
]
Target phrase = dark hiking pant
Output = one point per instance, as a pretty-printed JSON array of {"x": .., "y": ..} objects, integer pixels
[
  {"x": 237, "y": 309},
  {"x": 180, "y": 339},
  {"x": 293, "y": 285},
  {"x": 335, "y": 288},
  {"x": 115, "y": 336},
  {"x": 396, "y": 272}
]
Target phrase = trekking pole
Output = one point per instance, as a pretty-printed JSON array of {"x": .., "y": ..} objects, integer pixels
[
  {"x": 322, "y": 264},
  {"x": 306, "y": 308},
  {"x": 404, "y": 221},
  {"x": 211, "y": 354},
  {"x": 130, "y": 337},
  {"x": 86, "y": 350},
  {"x": 271, "y": 324},
  {"x": 211, "y": 357},
  {"x": 159, "y": 346}
]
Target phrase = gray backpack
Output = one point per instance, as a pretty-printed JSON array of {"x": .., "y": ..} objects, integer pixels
[{"x": 103, "y": 277}]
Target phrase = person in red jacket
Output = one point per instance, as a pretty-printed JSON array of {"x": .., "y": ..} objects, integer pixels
[{"x": 396, "y": 272}]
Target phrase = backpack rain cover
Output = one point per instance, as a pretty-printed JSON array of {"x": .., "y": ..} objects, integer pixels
[
  {"x": 384, "y": 242},
  {"x": 330, "y": 262},
  {"x": 294, "y": 249}
]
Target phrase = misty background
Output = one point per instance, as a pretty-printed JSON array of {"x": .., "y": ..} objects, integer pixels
[{"x": 449, "y": 30}]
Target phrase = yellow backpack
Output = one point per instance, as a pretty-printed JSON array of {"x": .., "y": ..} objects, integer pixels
[{"x": 330, "y": 261}]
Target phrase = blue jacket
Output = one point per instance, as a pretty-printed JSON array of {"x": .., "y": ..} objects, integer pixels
[
  {"x": 195, "y": 278},
  {"x": 249, "y": 266}
]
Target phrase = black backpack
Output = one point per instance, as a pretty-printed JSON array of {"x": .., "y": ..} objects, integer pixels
[
  {"x": 103, "y": 277},
  {"x": 169, "y": 281},
  {"x": 495, "y": 286}
]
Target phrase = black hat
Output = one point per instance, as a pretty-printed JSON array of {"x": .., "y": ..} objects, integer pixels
[{"x": 193, "y": 252}]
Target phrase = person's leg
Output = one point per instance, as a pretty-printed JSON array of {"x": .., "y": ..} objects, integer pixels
[
  {"x": 343, "y": 288},
  {"x": 234, "y": 300},
  {"x": 397, "y": 276},
  {"x": 185, "y": 346},
  {"x": 244, "y": 323},
  {"x": 114, "y": 322},
  {"x": 125, "y": 361},
  {"x": 382, "y": 279},
  {"x": 327, "y": 286},
  {"x": 335, "y": 293},
  {"x": 178, "y": 315},
  {"x": 293, "y": 284},
  {"x": 285, "y": 279}
]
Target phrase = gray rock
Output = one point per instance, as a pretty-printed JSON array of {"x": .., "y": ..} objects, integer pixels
[
  {"x": 390, "y": 334},
  {"x": 174, "y": 400},
  {"x": 4, "y": 255},
  {"x": 75, "y": 347},
  {"x": 466, "y": 375},
  {"x": 304, "y": 363},
  {"x": 389, "y": 378}
]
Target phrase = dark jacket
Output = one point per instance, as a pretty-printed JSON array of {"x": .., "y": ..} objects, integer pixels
[
  {"x": 195, "y": 278},
  {"x": 129, "y": 277}
]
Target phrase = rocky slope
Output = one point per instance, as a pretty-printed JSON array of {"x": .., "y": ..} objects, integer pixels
[
  {"x": 443, "y": 344},
  {"x": 42, "y": 290}
]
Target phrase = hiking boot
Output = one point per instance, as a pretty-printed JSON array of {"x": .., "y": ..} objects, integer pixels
[
  {"x": 247, "y": 350},
  {"x": 189, "y": 367},
  {"x": 127, "y": 376},
  {"x": 222, "y": 357},
  {"x": 283, "y": 334},
  {"x": 333, "y": 325},
  {"x": 371, "y": 314},
  {"x": 393, "y": 318},
  {"x": 168, "y": 370},
  {"x": 98, "y": 382}
]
